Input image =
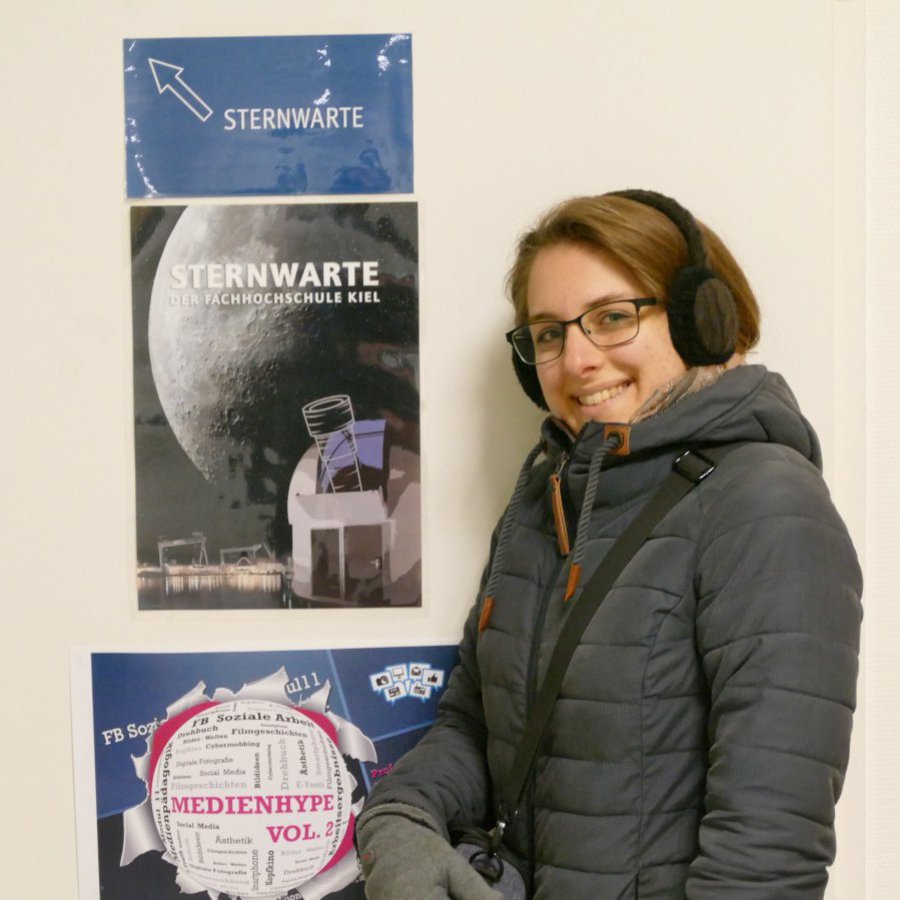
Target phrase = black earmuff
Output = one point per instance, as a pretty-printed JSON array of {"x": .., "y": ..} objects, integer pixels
[
  {"x": 528, "y": 378},
  {"x": 703, "y": 315}
]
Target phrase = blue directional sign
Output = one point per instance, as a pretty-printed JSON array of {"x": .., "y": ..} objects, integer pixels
[{"x": 329, "y": 114}]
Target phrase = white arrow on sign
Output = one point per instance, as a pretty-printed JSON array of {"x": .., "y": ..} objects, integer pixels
[{"x": 168, "y": 78}]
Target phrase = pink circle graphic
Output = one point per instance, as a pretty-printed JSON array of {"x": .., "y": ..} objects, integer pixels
[{"x": 250, "y": 797}]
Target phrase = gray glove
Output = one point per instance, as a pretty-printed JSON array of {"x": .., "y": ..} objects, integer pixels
[{"x": 404, "y": 858}]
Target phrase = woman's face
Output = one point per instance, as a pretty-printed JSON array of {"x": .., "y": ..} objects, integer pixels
[{"x": 589, "y": 383}]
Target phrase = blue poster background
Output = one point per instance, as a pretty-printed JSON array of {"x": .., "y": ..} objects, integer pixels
[
  {"x": 133, "y": 689},
  {"x": 328, "y": 114},
  {"x": 130, "y": 693}
]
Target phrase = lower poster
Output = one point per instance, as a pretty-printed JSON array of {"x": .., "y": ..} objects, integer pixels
[{"x": 238, "y": 774}]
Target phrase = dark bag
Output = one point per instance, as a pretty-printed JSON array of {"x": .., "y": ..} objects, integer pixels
[
  {"x": 488, "y": 855},
  {"x": 496, "y": 864}
]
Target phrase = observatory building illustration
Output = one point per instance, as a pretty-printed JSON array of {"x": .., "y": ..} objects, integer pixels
[{"x": 353, "y": 506}]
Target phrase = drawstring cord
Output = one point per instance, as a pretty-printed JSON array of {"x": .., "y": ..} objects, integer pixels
[
  {"x": 613, "y": 442},
  {"x": 505, "y": 530}
]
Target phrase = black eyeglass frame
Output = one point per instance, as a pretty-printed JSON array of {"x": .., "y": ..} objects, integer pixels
[{"x": 639, "y": 304}]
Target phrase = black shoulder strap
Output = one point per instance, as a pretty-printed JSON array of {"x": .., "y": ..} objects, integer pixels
[{"x": 688, "y": 470}]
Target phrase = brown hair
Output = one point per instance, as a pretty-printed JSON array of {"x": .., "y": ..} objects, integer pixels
[{"x": 643, "y": 239}]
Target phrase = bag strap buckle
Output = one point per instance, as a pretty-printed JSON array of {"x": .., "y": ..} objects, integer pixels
[
  {"x": 496, "y": 836},
  {"x": 693, "y": 465}
]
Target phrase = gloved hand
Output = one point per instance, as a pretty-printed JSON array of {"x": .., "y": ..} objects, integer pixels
[{"x": 403, "y": 858}]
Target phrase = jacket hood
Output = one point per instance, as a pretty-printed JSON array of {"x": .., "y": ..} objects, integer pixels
[{"x": 748, "y": 403}]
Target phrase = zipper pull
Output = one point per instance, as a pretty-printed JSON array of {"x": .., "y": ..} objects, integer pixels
[{"x": 559, "y": 515}]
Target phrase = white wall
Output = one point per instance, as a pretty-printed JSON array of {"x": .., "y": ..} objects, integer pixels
[
  {"x": 750, "y": 112},
  {"x": 882, "y": 439}
]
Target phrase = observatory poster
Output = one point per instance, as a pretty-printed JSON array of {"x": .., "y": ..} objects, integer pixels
[
  {"x": 282, "y": 115},
  {"x": 239, "y": 774},
  {"x": 276, "y": 405}
]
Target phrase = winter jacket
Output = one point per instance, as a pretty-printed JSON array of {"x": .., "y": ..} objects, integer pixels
[{"x": 701, "y": 735}]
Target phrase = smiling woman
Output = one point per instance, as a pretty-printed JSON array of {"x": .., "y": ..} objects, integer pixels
[
  {"x": 589, "y": 382},
  {"x": 699, "y": 739},
  {"x": 646, "y": 244}
]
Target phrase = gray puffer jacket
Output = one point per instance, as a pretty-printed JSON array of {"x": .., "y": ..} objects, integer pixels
[{"x": 701, "y": 735}]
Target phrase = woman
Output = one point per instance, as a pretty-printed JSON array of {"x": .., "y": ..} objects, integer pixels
[{"x": 699, "y": 741}]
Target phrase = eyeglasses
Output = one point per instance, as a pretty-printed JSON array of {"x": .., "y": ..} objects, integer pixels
[{"x": 607, "y": 324}]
